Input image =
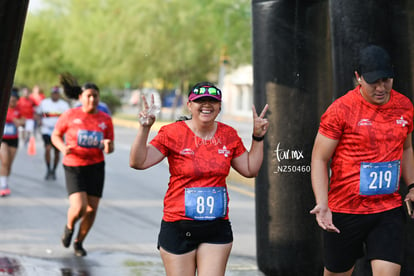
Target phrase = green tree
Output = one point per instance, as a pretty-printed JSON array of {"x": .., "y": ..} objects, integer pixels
[{"x": 112, "y": 42}]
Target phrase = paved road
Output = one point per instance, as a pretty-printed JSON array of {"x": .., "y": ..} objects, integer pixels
[{"x": 123, "y": 239}]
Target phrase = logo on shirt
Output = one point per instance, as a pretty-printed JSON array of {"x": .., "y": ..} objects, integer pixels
[
  {"x": 102, "y": 126},
  {"x": 77, "y": 121},
  {"x": 187, "y": 152},
  {"x": 401, "y": 121},
  {"x": 365, "y": 122},
  {"x": 224, "y": 151}
]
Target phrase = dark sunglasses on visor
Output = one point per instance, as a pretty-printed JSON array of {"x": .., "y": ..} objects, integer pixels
[{"x": 207, "y": 90}]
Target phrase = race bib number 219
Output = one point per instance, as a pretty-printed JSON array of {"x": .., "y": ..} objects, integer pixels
[{"x": 379, "y": 178}]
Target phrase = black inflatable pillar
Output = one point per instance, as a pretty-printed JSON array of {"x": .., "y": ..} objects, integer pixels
[
  {"x": 12, "y": 19},
  {"x": 291, "y": 61}
]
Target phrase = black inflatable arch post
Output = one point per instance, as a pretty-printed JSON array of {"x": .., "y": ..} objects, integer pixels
[
  {"x": 12, "y": 19},
  {"x": 291, "y": 61},
  {"x": 304, "y": 55}
]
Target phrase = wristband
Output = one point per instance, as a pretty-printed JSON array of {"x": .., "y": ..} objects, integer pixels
[
  {"x": 410, "y": 186},
  {"x": 258, "y": 139}
]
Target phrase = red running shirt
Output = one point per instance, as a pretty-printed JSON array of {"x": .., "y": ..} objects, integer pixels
[
  {"x": 84, "y": 131},
  {"x": 26, "y": 106},
  {"x": 37, "y": 98},
  {"x": 366, "y": 133},
  {"x": 10, "y": 130},
  {"x": 195, "y": 162}
]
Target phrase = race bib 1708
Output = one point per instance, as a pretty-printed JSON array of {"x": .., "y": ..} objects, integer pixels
[
  {"x": 205, "y": 203},
  {"x": 379, "y": 178}
]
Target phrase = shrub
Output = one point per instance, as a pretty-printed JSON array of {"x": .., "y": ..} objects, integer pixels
[{"x": 111, "y": 100}]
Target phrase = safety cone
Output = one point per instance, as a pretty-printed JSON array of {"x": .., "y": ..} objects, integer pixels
[{"x": 31, "y": 149}]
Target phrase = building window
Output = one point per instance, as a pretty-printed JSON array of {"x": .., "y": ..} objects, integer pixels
[{"x": 244, "y": 100}]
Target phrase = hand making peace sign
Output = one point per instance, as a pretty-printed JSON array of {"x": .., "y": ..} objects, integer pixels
[{"x": 260, "y": 123}]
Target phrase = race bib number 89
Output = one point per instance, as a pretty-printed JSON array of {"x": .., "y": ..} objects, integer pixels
[
  {"x": 89, "y": 139},
  {"x": 379, "y": 178},
  {"x": 205, "y": 203}
]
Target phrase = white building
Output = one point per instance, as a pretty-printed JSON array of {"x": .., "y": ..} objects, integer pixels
[{"x": 238, "y": 93}]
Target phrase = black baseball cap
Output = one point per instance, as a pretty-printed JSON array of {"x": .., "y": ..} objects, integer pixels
[
  {"x": 55, "y": 89},
  {"x": 375, "y": 64}
]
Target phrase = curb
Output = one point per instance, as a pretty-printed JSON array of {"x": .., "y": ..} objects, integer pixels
[
  {"x": 233, "y": 175},
  {"x": 135, "y": 124}
]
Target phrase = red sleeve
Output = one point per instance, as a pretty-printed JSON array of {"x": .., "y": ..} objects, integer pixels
[
  {"x": 62, "y": 125},
  {"x": 110, "y": 129},
  {"x": 332, "y": 125}
]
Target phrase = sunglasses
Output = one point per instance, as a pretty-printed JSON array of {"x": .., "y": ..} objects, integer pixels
[{"x": 209, "y": 90}]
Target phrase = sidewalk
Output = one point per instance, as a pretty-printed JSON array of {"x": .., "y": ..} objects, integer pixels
[{"x": 104, "y": 264}]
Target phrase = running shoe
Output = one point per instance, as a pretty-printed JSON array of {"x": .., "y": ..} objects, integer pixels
[
  {"x": 5, "y": 192},
  {"x": 67, "y": 236},
  {"x": 79, "y": 250},
  {"x": 47, "y": 177}
]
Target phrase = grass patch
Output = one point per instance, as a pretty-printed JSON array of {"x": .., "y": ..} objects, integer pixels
[
  {"x": 141, "y": 268},
  {"x": 130, "y": 117}
]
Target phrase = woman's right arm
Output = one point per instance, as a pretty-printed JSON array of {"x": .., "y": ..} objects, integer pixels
[
  {"x": 19, "y": 121},
  {"x": 143, "y": 155},
  {"x": 59, "y": 143}
]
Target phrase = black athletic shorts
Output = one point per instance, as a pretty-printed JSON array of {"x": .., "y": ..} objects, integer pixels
[
  {"x": 47, "y": 140},
  {"x": 14, "y": 143},
  {"x": 89, "y": 179},
  {"x": 183, "y": 236},
  {"x": 380, "y": 236}
]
